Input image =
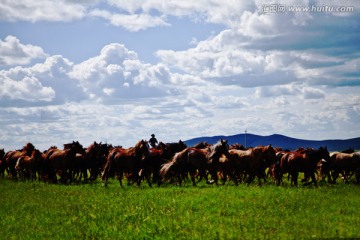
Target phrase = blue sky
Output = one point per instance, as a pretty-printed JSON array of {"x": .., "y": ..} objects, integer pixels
[{"x": 118, "y": 71}]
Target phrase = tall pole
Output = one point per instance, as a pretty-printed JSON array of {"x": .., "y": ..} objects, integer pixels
[{"x": 245, "y": 136}]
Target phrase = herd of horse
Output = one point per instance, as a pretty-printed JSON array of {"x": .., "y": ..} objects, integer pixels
[{"x": 177, "y": 163}]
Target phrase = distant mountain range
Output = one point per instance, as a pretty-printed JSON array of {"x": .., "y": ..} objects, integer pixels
[{"x": 277, "y": 140}]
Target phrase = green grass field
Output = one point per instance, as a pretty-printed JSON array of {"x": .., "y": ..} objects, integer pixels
[{"x": 90, "y": 211}]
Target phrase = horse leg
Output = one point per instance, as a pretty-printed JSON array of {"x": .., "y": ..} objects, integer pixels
[
  {"x": 215, "y": 176},
  {"x": 250, "y": 179},
  {"x": 278, "y": 177},
  {"x": 148, "y": 177},
  {"x": 192, "y": 175},
  {"x": 294, "y": 178},
  {"x": 260, "y": 176},
  {"x": 105, "y": 180},
  {"x": 120, "y": 176},
  {"x": 335, "y": 175},
  {"x": 179, "y": 178},
  {"x": 314, "y": 179},
  {"x": 233, "y": 177}
]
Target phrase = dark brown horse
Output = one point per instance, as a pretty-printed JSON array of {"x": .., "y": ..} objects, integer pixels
[
  {"x": 195, "y": 161},
  {"x": 303, "y": 160},
  {"x": 158, "y": 156},
  {"x": 96, "y": 155},
  {"x": 11, "y": 158},
  {"x": 345, "y": 164},
  {"x": 252, "y": 163},
  {"x": 169, "y": 149},
  {"x": 62, "y": 162},
  {"x": 150, "y": 165},
  {"x": 27, "y": 167},
  {"x": 2, "y": 163},
  {"x": 124, "y": 161}
]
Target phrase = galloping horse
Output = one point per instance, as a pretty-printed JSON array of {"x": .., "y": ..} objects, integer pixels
[
  {"x": 11, "y": 158},
  {"x": 150, "y": 165},
  {"x": 345, "y": 164},
  {"x": 62, "y": 161},
  {"x": 96, "y": 155},
  {"x": 159, "y": 156},
  {"x": 253, "y": 162},
  {"x": 28, "y": 166},
  {"x": 169, "y": 149},
  {"x": 123, "y": 161},
  {"x": 192, "y": 160},
  {"x": 303, "y": 160}
]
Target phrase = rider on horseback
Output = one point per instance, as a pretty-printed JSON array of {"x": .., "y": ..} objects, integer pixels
[{"x": 153, "y": 141}]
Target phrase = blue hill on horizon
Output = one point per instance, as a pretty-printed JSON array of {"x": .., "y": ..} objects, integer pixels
[{"x": 282, "y": 141}]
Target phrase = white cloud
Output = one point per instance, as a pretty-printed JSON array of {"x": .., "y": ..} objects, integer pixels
[
  {"x": 117, "y": 73},
  {"x": 28, "y": 89},
  {"x": 48, "y": 81},
  {"x": 214, "y": 11},
  {"x": 133, "y": 22},
  {"x": 42, "y": 10},
  {"x": 12, "y": 52}
]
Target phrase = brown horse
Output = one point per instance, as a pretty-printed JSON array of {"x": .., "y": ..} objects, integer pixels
[
  {"x": 150, "y": 165},
  {"x": 345, "y": 164},
  {"x": 159, "y": 156},
  {"x": 303, "y": 160},
  {"x": 193, "y": 160},
  {"x": 96, "y": 155},
  {"x": 169, "y": 149},
  {"x": 2, "y": 163},
  {"x": 27, "y": 167},
  {"x": 123, "y": 161},
  {"x": 11, "y": 158},
  {"x": 253, "y": 162},
  {"x": 62, "y": 162}
]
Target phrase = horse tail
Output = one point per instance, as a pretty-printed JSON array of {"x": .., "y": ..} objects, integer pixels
[
  {"x": 107, "y": 168},
  {"x": 166, "y": 169},
  {"x": 169, "y": 167}
]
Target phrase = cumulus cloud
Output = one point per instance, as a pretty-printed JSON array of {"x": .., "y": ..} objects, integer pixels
[
  {"x": 28, "y": 89},
  {"x": 12, "y": 52},
  {"x": 268, "y": 49},
  {"x": 42, "y": 82},
  {"x": 117, "y": 73}
]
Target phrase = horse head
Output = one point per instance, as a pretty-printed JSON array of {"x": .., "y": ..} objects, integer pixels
[
  {"x": 218, "y": 149},
  {"x": 182, "y": 145},
  {"x": 28, "y": 148},
  {"x": 271, "y": 154},
  {"x": 324, "y": 153},
  {"x": 142, "y": 148}
]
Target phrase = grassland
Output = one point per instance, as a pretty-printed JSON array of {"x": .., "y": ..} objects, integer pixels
[{"x": 90, "y": 211}]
